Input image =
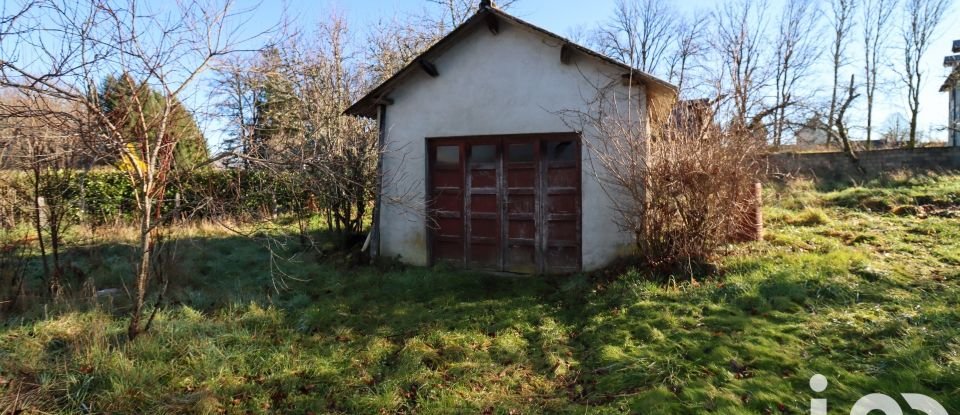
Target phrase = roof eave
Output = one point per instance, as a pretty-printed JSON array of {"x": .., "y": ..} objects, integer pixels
[{"x": 361, "y": 109}]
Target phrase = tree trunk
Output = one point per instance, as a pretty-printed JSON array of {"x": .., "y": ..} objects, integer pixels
[
  {"x": 38, "y": 217},
  {"x": 913, "y": 128},
  {"x": 831, "y": 118},
  {"x": 842, "y": 132},
  {"x": 869, "y": 117},
  {"x": 143, "y": 273},
  {"x": 54, "y": 223}
]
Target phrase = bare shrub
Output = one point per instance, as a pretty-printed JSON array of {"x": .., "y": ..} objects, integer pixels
[
  {"x": 14, "y": 255},
  {"x": 43, "y": 144},
  {"x": 297, "y": 127},
  {"x": 681, "y": 183}
]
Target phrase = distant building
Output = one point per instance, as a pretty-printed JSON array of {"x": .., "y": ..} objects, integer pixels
[
  {"x": 952, "y": 87},
  {"x": 812, "y": 134}
]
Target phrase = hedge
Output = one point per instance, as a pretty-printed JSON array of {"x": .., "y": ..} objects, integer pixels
[{"x": 103, "y": 196}]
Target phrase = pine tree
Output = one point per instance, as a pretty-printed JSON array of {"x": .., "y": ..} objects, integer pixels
[{"x": 122, "y": 103}]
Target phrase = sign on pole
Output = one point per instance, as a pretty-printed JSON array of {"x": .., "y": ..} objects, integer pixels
[{"x": 951, "y": 61}]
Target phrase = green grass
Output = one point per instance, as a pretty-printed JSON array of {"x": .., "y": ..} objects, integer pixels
[{"x": 869, "y": 297}]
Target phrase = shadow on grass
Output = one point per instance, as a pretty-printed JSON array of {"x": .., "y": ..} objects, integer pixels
[
  {"x": 403, "y": 339},
  {"x": 301, "y": 334}
]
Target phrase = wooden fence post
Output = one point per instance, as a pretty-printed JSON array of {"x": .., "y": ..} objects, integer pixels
[
  {"x": 751, "y": 219},
  {"x": 757, "y": 218}
]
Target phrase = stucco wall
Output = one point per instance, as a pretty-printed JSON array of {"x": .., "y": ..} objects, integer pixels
[{"x": 510, "y": 83}]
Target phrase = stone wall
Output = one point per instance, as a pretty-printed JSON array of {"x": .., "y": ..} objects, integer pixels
[{"x": 837, "y": 166}]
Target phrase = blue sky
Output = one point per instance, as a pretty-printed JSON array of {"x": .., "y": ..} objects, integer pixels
[
  {"x": 554, "y": 15},
  {"x": 562, "y": 16}
]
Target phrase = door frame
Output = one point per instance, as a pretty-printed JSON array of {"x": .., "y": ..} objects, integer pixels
[{"x": 463, "y": 142}]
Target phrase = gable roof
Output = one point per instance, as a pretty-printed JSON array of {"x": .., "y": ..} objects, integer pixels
[{"x": 367, "y": 106}]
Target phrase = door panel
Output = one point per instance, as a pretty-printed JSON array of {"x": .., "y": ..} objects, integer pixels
[
  {"x": 445, "y": 205},
  {"x": 483, "y": 178},
  {"x": 507, "y": 203},
  {"x": 521, "y": 245},
  {"x": 483, "y": 208},
  {"x": 561, "y": 199},
  {"x": 563, "y": 177}
]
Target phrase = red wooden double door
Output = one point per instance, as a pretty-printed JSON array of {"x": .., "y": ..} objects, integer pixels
[{"x": 506, "y": 203}]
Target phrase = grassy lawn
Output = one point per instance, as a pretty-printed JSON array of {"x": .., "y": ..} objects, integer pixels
[{"x": 860, "y": 284}]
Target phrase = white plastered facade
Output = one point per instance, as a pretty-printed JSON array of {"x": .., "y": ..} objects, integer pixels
[{"x": 512, "y": 82}]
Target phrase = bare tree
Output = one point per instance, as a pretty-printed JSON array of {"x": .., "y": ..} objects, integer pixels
[
  {"x": 876, "y": 17},
  {"x": 391, "y": 44},
  {"x": 163, "y": 50},
  {"x": 639, "y": 34},
  {"x": 841, "y": 22},
  {"x": 345, "y": 156},
  {"x": 45, "y": 145},
  {"x": 690, "y": 46},
  {"x": 740, "y": 44},
  {"x": 289, "y": 102},
  {"x": 581, "y": 34},
  {"x": 10, "y": 14},
  {"x": 796, "y": 53},
  {"x": 234, "y": 104},
  {"x": 839, "y": 130},
  {"x": 454, "y": 12},
  {"x": 921, "y": 18}
]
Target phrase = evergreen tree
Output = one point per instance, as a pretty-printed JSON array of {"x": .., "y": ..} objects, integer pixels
[{"x": 122, "y": 103}]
